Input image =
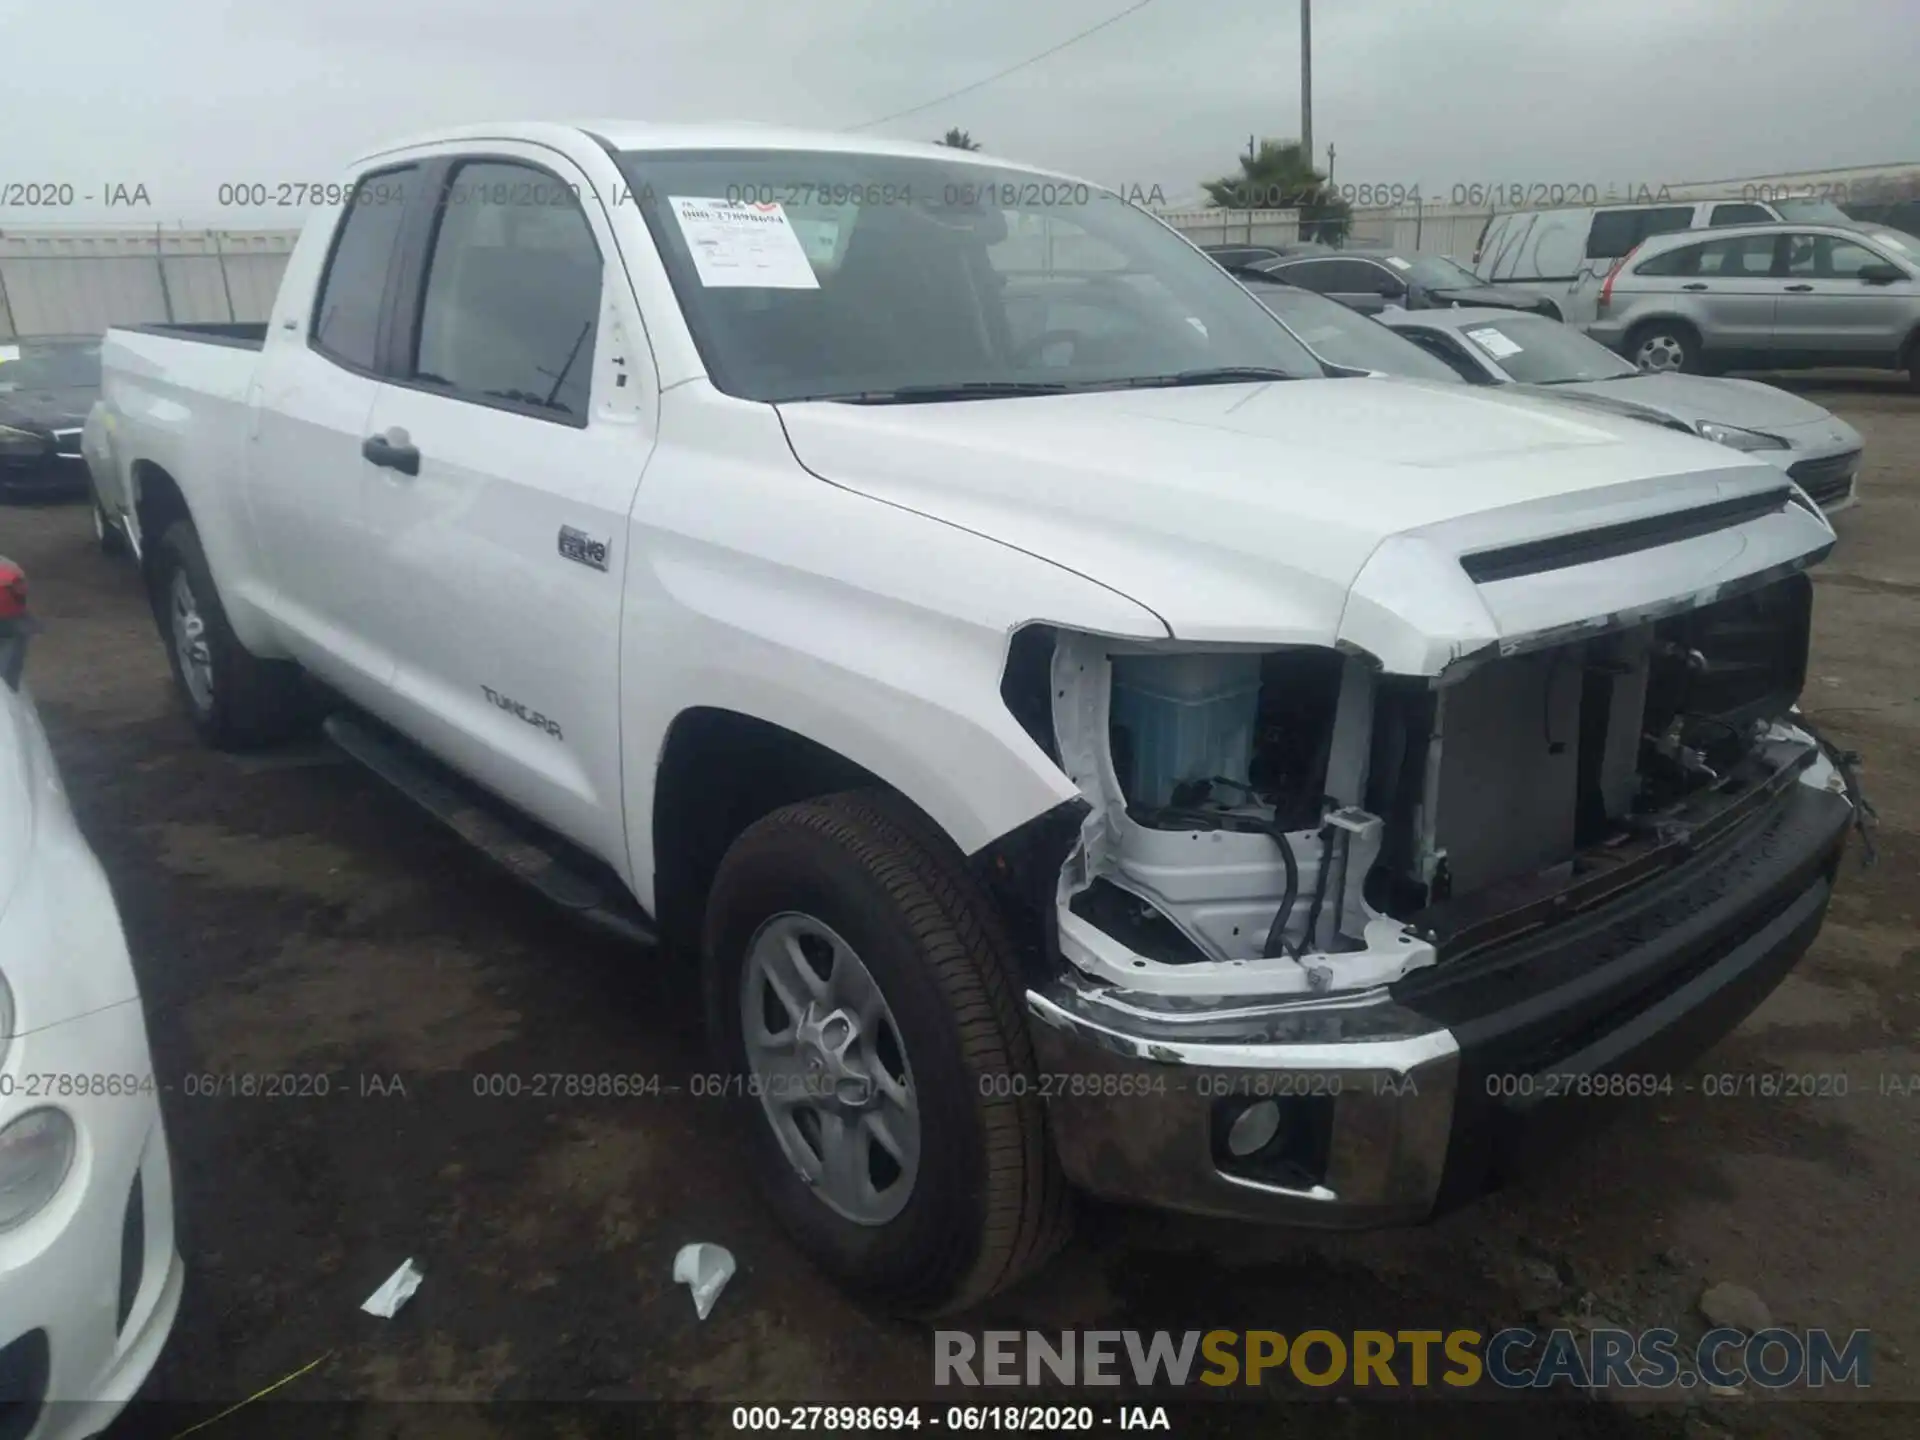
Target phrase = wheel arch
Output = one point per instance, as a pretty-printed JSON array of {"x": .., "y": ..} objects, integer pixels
[
  {"x": 157, "y": 501},
  {"x": 720, "y": 770}
]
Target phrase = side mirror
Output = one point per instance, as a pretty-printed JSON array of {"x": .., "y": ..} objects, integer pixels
[{"x": 1881, "y": 273}]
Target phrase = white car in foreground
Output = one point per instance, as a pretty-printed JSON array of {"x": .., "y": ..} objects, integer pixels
[{"x": 89, "y": 1276}]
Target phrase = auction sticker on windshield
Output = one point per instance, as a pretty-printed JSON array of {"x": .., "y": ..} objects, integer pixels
[
  {"x": 1494, "y": 343},
  {"x": 1397, "y": 263},
  {"x": 741, "y": 244}
]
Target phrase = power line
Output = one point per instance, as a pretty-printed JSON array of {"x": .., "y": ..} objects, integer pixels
[{"x": 1002, "y": 74}]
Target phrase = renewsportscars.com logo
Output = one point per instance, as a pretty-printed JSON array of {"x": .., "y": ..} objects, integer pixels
[{"x": 1519, "y": 1358}]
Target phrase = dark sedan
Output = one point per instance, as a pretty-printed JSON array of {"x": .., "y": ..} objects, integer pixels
[
  {"x": 1371, "y": 280},
  {"x": 46, "y": 390}
]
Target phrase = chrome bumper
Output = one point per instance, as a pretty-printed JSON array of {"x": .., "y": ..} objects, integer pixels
[
  {"x": 1140, "y": 1113},
  {"x": 1388, "y": 1114}
]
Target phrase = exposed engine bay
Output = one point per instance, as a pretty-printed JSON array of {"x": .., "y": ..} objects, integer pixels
[{"x": 1295, "y": 821}]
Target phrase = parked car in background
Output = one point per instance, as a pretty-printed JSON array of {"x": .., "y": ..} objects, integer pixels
[
  {"x": 45, "y": 393},
  {"x": 90, "y": 1278},
  {"x": 1234, "y": 257},
  {"x": 1558, "y": 251},
  {"x": 1230, "y": 257},
  {"x": 1820, "y": 451},
  {"x": 1339, "y": 336},
  {"x": 1370, "y": 280},
  {"x": 1767, "y": 297}
]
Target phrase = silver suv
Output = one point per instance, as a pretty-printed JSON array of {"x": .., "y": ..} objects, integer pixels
[{"x": 1779, "y": 296}]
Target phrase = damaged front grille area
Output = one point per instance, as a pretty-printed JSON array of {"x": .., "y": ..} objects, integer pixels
[
  {"x": 1541, "y": 783},
  {"x": 1297, "y": 822}
]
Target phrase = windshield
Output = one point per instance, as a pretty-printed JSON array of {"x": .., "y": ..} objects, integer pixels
[
  {"x": 52, "y": 367},
  {"x": 1434, "y": 272},
  {"x": 828, "y": 275},
  {"x": 1818, "y": 211},
  {"x": 1346, "y": 337},
  {"x": 1538, "y": 351}
]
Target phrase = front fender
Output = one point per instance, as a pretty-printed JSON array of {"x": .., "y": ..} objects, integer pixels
[{"x": 875, "y": 632}]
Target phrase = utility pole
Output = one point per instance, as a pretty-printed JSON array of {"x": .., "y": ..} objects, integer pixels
[{"x": 1306, "y": 79}]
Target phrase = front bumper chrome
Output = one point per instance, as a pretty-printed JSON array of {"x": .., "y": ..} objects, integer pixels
[
  {"x": 1410, "y": 1099},
  {"x": 1138, "y": 1110}
]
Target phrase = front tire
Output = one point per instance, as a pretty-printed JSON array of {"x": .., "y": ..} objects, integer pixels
[
  {"x": 236, "y": 700},
  {"x": 860, "y": 983}
]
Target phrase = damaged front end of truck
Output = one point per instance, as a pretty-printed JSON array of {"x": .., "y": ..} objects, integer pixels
[{"x": 1346, "y": 931}]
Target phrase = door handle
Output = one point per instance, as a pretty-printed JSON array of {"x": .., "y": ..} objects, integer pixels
[
  {"x": 393, "y": 455},
  {"x": 1696, "y": 285},
  {"x": 1798, "y": 289}
]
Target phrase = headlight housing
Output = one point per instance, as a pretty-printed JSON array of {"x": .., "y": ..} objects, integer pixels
[
  {"x": 1739, "y": 439},
  {"x": 23, "y": 442},
  {"x": 36, "y": 1151}
]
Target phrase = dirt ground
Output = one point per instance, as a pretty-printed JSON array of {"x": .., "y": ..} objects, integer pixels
[{"x": 289, "y": 915}]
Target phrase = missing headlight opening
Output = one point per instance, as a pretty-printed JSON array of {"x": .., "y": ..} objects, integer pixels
[{"x": 1296, "y": 821}]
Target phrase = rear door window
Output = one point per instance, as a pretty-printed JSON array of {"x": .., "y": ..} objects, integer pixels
[
  {"x": 1741, "y": 258},
  {"x": 1740, "y": 214},
  {"x": 353, "y": 287}
]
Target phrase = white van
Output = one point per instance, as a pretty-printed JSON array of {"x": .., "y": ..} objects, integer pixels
[{"x": 1566, "y": 253}]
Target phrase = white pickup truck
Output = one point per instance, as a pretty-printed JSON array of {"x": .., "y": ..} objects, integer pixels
[{"x": 1084, "y": 739}]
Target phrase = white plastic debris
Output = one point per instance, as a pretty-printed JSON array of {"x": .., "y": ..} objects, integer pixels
[
  {"x": 394, "y": 1292},
  {"x": 705, "y": 1269}
]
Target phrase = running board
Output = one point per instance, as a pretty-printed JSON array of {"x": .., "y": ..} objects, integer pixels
[{"x": 547, "y": 863}]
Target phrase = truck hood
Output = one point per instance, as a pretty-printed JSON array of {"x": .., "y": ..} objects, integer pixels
[{"x": 1262, "y": 513}]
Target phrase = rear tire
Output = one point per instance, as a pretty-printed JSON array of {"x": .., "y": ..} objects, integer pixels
[
  {"x": 1665, "y": 347},
  {"x": 984, "y": 1202},
  {"x": 1913, "y": 364},
  {"x": 236, "y": 700}
]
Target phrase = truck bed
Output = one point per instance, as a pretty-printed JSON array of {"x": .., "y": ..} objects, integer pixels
[
  {"x": 240, "y": 335},
  {"x": 177, "y": 399}
]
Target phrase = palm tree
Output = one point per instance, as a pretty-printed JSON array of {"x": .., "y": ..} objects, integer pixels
[
  {"x": 959, "y": 140},
  {"x": 1280, "y": 176}
]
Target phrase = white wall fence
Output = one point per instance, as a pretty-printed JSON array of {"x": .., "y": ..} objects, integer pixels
[
  {"x": 80, "y": 282},
  {"x": 1210, "y": 226},
  {"x": 1451, "y": 230}
]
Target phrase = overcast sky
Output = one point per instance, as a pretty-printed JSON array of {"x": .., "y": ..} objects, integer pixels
[{"x": 183, "y": 96}]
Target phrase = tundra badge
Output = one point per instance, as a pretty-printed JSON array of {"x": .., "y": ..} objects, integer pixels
[{"x": 582, "y": 548}]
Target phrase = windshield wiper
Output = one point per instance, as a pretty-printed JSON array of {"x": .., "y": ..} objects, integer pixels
[
  {"x": 930, "y": 394},
  {"x": 1218, "y": 375}
]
